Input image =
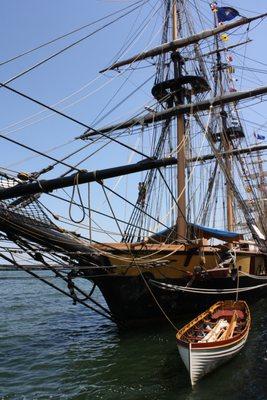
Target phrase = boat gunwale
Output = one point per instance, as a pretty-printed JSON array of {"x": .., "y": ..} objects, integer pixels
[
  {"x": 182, "y": 249},
  {"x": 217, "y": 344}
]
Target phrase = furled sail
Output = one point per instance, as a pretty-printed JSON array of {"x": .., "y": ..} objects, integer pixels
[
  {"x": 181, "y": 109},
  {"x": 179, "y": 43}
]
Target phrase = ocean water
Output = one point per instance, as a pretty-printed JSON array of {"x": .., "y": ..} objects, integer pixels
[{"x": 50, "y": 349}]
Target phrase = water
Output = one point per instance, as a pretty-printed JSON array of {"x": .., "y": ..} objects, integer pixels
[{"x": 50, "y": 349}]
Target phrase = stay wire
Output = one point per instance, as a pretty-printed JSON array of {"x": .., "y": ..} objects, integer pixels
[
  {"x": 66, "y": 34},
  {"x": 111, "y": 209},
  {"x": 71, "y": 119},
  {"x": 65, "y": 49},
  {"x": 135, "y": 206},
  {"x": 32, "y": 252},
  {"x": 137, "y": 266},
  {"x": 107, "y": 143},
  {"x": 38, "y": 152},
  {"x": 96, "y": 212},
  {"x": 75, "y": 102},
  {"x": 53, "y": 286}
]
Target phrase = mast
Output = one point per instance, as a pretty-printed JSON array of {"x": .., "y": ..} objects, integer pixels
[
  {"x": 180, "y": 129},
  {"x": 263, "y": 193},
  {"x": 225, "y": 140},
  {"x": 228, "y": 163}
]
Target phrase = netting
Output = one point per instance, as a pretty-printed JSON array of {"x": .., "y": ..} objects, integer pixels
[{"x": 24, "y": 207}]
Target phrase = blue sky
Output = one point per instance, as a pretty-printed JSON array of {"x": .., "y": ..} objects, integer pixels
[
  {"x": 29, "y": 23},
  {"x": 26, "y": 24}
]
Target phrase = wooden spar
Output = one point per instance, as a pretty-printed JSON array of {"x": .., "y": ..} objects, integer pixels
[
  {"x": 263, "y": 193},
  {"x": 181, "y": 109},
  {"x": 219, "y": 50},
  {"x": 179, "y": 43},
  {"x": 234, "y": 152},
  {"x": 225, "y": 140},
  {"x": 228, "y": 164},
  {"x": 181, "y": 226},
  {"x": 49, "y": 185}
]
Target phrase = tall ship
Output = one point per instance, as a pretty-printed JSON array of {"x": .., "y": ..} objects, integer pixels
[{"x": 163, "y": 211}]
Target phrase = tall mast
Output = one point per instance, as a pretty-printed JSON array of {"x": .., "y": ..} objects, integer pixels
[
  {"x": 225, "y": 140},
  {"x": 228, "y": 163},
  {"x": 180, "y": 126},
  {"x": 263, "y": 193}
]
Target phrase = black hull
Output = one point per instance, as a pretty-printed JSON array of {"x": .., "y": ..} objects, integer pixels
[{"x": 130, "y": 301}]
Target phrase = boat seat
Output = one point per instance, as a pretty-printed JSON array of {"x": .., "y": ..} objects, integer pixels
[
  {"x": 227, "y": 313},
  {"x": 191, "y": 338}
]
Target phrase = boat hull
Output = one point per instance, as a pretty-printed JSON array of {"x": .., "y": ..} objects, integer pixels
[
  {"x": 213, "y": 337},
  {"x": 200, "y": 362}
]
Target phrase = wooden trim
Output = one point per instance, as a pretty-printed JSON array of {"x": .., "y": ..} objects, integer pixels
[{"x": 217, "y": 344}]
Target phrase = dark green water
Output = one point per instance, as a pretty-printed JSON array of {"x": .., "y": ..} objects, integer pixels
[{"x": 50, "y": 349}]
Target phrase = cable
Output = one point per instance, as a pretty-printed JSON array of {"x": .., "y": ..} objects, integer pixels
[
  {"x": 38, "y": 152},
  {"x": 72, "y": 119},
  {"x": 65, "y": 49},
  {"x": 68, "y": 34}
]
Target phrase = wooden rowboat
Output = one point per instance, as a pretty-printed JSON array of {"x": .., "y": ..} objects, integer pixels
[{"x": 213, "y": 337}]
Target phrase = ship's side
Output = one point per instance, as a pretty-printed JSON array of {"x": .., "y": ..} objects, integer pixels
[
  {"x": 197, "y": 175},
  {"x": 132, "y": 297}
]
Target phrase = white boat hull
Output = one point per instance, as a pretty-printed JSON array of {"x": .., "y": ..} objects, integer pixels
[
  {"x": 200, "y": 362},
  {"x": 213, "y": 337}
]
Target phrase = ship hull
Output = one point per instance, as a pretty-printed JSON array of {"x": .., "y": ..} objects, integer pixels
[
  {"x": 130, "y": 300},
  {"x": 134, "y": 299}
]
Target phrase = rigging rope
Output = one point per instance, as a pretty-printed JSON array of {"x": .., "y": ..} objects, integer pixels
[
  {"x": 71, "y": 119},
  {"x": 67, "y": 34},
  {"x": 63, "y": 50},
  {"x": 167, "y": 286},
  {"x": 76, "y": 184}
]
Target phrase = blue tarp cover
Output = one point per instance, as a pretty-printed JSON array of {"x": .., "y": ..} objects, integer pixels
[
  {"x": 205, "y": 232},
  {"x": 217, "y": 233}
]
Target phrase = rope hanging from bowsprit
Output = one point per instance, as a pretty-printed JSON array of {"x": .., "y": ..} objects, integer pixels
[
  {"x": 81, "y": 206},
  {"x": 71, "y": 286}
]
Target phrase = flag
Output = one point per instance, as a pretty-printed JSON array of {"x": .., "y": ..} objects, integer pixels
[
  {"x": 224, "y": 37},
  {"x": 226, "y": 13},
  {"x": 258, "y": 136}
]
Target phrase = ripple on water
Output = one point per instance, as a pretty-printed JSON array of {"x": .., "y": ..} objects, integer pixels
[{"x": 50, "y": 349}]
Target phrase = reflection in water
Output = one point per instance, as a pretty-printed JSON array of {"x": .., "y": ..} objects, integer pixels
[{"x": 51, "y": 349}]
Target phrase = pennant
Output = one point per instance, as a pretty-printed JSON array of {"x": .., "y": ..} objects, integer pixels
[
  {"x": 258, "y": 136},
  {"x": 226, "y": 13}
]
